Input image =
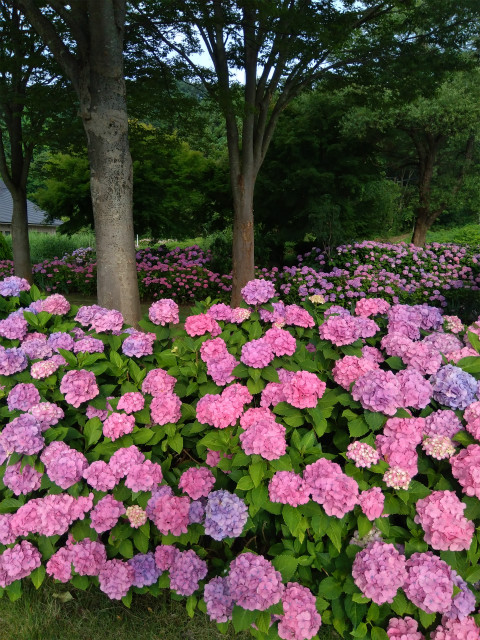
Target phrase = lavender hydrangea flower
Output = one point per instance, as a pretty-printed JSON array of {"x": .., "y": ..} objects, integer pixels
[
  {"x": 454, "y": 387},
  {"x": 225, "y": 515}
]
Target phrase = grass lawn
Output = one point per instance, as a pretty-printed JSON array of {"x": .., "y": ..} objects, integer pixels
[{"x": 58, "y": 612}]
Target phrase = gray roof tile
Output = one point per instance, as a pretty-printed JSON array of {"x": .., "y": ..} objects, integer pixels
[{"x": 35, "y": 214}]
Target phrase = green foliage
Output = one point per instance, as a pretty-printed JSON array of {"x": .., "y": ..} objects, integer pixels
[
  {"x": 45, "y": 246},
  {"x": 5, "y": 248},
  {"x": 175, "y": 188}
]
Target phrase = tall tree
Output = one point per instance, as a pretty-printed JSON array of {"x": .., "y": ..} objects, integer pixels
[
  {"x": 280, "y": 47},
  {"x": 86, "y": 38},
  {"x": 435, "y": 136},
  {"x": 29, "y": 85}
]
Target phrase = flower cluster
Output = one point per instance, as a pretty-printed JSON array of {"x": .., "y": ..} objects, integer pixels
[
  {"x": 379, "y": 571},
  {"x": 441, "y": 516},
  {"x": 330, "y": 487}
]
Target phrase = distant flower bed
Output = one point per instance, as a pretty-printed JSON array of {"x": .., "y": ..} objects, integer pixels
[
  {"x": 399, "y": 273},
  {"x": 280, "y": 466}
]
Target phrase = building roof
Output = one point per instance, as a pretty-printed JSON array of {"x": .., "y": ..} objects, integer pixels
[{"x": 35, "y": 214}]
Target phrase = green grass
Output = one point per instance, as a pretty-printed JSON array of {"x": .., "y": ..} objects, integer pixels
[
  {"x": 45, "y": 246},
  {"x": 57, "y": 612}
]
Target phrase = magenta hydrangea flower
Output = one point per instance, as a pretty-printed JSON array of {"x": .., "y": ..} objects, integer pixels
[
  {"x": 415, "y": 391},
  {"x": 300, "y": 620},
  {"x": 220, "y": 363},
  {"x": 79, "y": 386},
  {"x": 371, "y": 502},
  {"x": 371, "y": 307},
  {"x": 166, "y": 408},
  {"x": 225, "y": 515},
  {"x": 429, "y": 583},
  {"x": 258, "y": 291},
  {"x": 330, "y": 487},
  {"x": 201, "y": 324},
  {"x": 115, "y": 578},
  {"x": 117, "y": 425},
  {"x": 23, "y": 396},
  {"x": 88, "y": 345},
  {"x": 23, "y": 480},
  {"x": 441, "y": 517},
  {"x": 106, "y": 513},
  {"x": 404, "y": 629},
  {"x": 340, "y": 330},
  {"x": 379, "y": 571},
  {"x": 223, "y": 410},
  {"x": 254, "y": 583},
  {"x": 6, "y": 534},
  {"x": 18, "y": 562},
  {"x": 186, "y": 572},
  {"x": 104, "y": 320},
  {"x": 197, "y": 482},
  {"x": 281, "y": 341},
  {"x": 362, "y": 454},
  {"x": 131, "y": 402},
  {"x": 287, "y": 487},
  {"x": 218, "y": 600},
  {"x": 163, "y": 312}
]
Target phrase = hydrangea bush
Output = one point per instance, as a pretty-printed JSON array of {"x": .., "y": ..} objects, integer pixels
[{"x": 281, "y": 467}]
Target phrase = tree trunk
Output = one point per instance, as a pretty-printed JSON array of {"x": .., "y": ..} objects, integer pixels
[
  {"x": 111, "y": 187},
  {"x": 420, "y": 229},
  {"x": 20, "y": 241},
  {"x": 243, "y": 258}
]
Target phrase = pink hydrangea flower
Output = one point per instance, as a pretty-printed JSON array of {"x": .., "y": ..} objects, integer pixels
[
  {"x": 257, "y": 353},
  {"x": 23, "y": 396},
  {"x": 371, "y": 502},
  {"x": 465, "y": 467},
  {"x": 397, "y": 478},
  {"x": 379, "y": 571},
  {"x": 79, "y": 386},
  {"x": 378, "y": 390},
  {"x": 44, "y": 369},
  {"x": 303, "y": 390},
  {"x": 88, "y": 557},
  {"x": 439, "y": 447},
  {"x": 115, "y": 578},
  {"x": 281, "y": 341},
  {"x": 300, "y": 620},
  {"x": 225, "y": 409},
  {"x": 254, "y": 583},
  {"x": 429, "y": 583},
  {"x": 117, "y": 425},
  {"x": 415, "y": 391},
  {"x": 163, "y": 312},
  {"x": 56, "y": 304},
  {"x": 201, "y": 324},
  {"x": 51, "y": 515},
  {"x": 106, "y": 513},
  {"x": 59, "y": 566},
  {"x": 340, "y": 330},
  {"x": 218, "y": 600},
  {"x": 63, "y": 465},
  {"x": 166, "y": 408},
  {"x": 136, "y": 516},
  {"x": 287, "y": 487},
  {"x": 265, "y": 438},
  {"x": 165, "y": 555},
  {"x": 258, "y": 291},
  {"x": 170, "y": 514},
  {"x": 186, "y": 572},
  {"x": 157, "y": 382},
  {"x": 330, "y": 487},
  {"x": 144, "y": 476},
  {"x": 465, "y": 629},
  {"x": 349, "y": 368},
  {"x": 100, "y": 476},
  {"x": 362, "y": 454},
  {"x": 47, "y": 414},
  {"x": 443, "y": 423},
  {"x": 371, "y": 307},
  {"x": 404, "y": 629},
  {"x": 197, "y": 482},
  {"x": 131, "y": 402},
  {"x": 124, "y": 459},
  {"x": 18, "y": 562},
  {"x": 23, "y": 480},
  {"x": 441, "y": 517}
]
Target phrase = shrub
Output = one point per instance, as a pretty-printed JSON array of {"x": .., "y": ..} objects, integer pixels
[
  {"x": 5, "y": 248},
  {"x": 277, "y": 485}
]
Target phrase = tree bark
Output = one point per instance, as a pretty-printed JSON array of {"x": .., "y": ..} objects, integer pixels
[
  {"x": 243, "y": 256},
  {"x": 420, "y": 229}
]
